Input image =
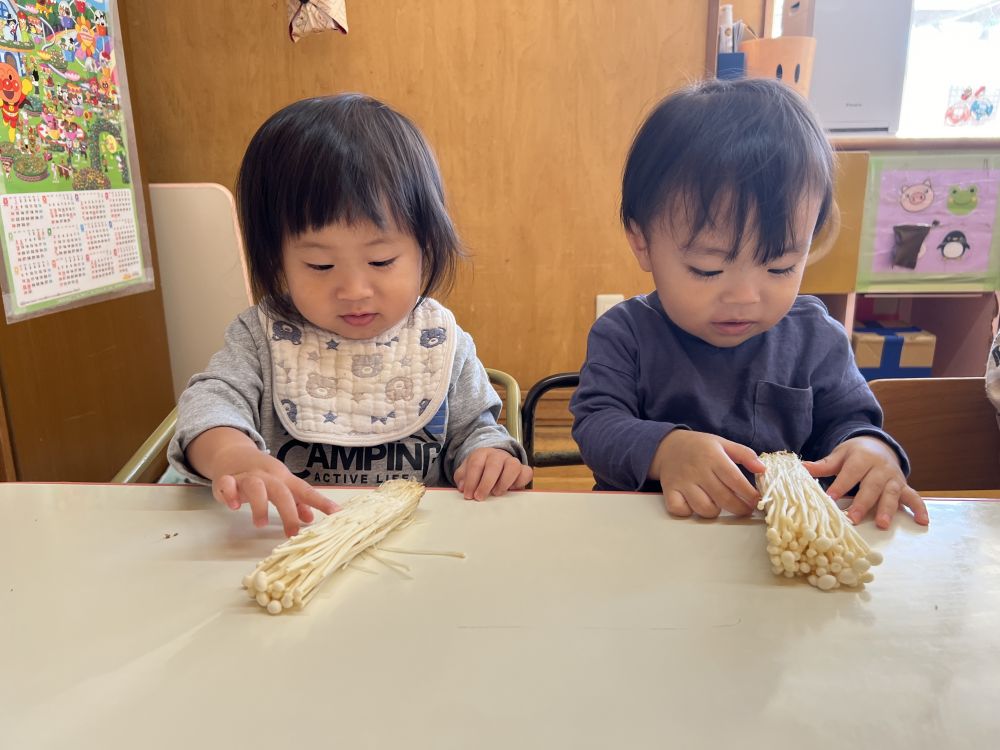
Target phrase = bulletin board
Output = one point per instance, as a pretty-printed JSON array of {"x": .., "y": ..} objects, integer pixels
[
  {"x": 72, "y": 218},
  {"x": 931, "y": 223}
]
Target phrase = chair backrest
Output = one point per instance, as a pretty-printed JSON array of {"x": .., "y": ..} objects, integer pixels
[
  {"x": 511, "y": 401},
  {"x": 529, "y": 423},
  {"x": 202, "y": 279},
  {"x": 947, "y": 427}
]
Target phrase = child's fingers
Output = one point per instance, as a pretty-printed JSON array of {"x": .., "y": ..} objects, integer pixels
[
  {"x": 676, "y": 504},
  {"x": 225, "y": 491},
  {"x": 471, "y": 482},
  {"x": 725, "y": 498},
  {"x": 491, "y": 473},
  {"x": 524, "y": 478},
  {"x": 305, "y": 513},
  {"x": 701, "y": 503},
  {"x": 868, "y": 496},
  {"x": 306, "y": 494},
  {"x": 510, "y": 474},
  {"x": 825, "y": 467},
  {"x": 467, "y": 475},
  {"x": 743, "y": 456},
  {"x": 912, "y": 500},
  {"x": 850, "y": 475},
  {"x": 888, "y": 503},
  {"x": 738, "y": 484},
  {"x": 253, "y": 489},
  {"x": 284, "y": 502}
]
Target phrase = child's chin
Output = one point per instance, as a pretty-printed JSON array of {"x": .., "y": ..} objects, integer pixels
[{"x": 726, "y": 341}]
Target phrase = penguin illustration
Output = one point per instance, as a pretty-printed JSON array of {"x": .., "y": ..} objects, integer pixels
[{"x": 953, "y": 246}]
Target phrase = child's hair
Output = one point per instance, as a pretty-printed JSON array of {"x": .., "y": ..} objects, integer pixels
[
  {"x": 339, "y": 158},
  {"x": 738, "y": 150}
]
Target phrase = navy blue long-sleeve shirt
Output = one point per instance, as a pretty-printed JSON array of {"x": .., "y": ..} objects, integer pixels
[{"x": 795, "y": 387}]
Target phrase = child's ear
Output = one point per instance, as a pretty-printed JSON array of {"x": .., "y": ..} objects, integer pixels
[{"x": 640, "y": 246}]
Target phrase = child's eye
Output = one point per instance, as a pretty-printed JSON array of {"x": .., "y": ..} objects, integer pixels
[
  {"x": 317, "y": 267},
  {"x": 781, "y": 271},
  {"x": 382, "y": 263},
  {"x": 698, "y": 273}
]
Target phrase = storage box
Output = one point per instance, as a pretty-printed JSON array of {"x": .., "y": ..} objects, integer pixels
[
  {"x": 890, "y": 349},
  {"x": 787, "y": 58}
]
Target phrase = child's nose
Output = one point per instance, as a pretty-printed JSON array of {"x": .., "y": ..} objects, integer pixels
[
  {"x": 741, "y": 292},
  {"x": 354, "y": 287}
]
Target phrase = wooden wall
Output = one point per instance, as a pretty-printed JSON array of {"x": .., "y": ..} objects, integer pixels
[
  {"x": 530, "y": 105},
  {"x": 82, "y": 388}
]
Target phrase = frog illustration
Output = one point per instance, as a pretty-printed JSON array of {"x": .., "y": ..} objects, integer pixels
[{"x": 962, "y": 201}]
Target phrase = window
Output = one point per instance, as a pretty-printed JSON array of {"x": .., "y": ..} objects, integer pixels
[{"x": 952, "y": 85}]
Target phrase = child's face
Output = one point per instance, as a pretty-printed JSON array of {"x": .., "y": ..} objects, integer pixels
[
  {"x": 356, "y": 281},
  {"x": 723, "y": 303}
]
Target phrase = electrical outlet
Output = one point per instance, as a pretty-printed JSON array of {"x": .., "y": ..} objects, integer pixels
[{"x": 606, "y": 301}]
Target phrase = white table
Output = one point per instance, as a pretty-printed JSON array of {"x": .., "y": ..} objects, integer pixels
[{"x": 577, "y": 620}]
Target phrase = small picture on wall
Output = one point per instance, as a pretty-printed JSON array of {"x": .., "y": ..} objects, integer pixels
[
  {"x": 930, "y": 222},
  {"x": 971, "y": 106}
]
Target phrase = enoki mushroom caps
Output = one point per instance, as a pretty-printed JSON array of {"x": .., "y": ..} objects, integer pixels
[
  {"x": 291, "y": 575},
  {"x": 808, "y": 536}
]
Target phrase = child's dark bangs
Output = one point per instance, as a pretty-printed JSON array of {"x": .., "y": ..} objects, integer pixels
[
  {"x": 761, "y": 204},
  {"x": 770, "y": 198},
  {"x": 333, "y": 189}
]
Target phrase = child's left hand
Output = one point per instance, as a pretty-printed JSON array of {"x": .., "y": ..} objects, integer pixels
[
  {"x": 490, "y": 471},
  {"x": 872, "y": 463}
]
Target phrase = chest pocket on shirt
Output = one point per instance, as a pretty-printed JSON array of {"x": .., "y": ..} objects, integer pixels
[{"x": 782, "y": 417}]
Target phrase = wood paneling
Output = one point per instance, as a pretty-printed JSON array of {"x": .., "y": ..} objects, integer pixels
[
  {"x": 530, "y": 106},
  {"x": 833, "y": 263},
  {"x": 7, "y": 472},
  {"x": 84, "y": 387}
]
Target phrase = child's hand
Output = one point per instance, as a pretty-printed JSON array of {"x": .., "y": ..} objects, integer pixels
[
  {"x": 292, "y": 497},
  {"x": 241, "y": 473},
  {"x": 490, "y": 471},
  {"x": 698, "y": 473},
  {"x": 872, "y": 463}
]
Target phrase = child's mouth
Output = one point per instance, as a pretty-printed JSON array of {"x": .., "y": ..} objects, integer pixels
[
  {"x": 732, "y": 327},
  {"x": 358, "y": 320}
]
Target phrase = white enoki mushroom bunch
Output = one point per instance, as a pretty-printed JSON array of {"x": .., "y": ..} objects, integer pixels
[
  {"x": 807, "y": 534},
  {"x": 290, "y": 576}
]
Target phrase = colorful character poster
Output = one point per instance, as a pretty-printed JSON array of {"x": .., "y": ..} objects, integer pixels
[
  {"x": 73, "y": 223},
  {"x": 930, "y": 223}
]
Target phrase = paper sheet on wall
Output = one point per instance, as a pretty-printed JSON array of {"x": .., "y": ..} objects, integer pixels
[
  {"x": 931, "y": 223},
  {"x": 71, "y": 213}
]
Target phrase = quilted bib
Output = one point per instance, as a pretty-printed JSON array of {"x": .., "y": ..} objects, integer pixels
[{"x": 328, "y": 389}]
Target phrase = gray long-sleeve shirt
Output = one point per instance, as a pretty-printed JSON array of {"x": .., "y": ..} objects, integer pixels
[
  {"x": 236, "y": 391},
  {"x": 794, "y": 387}
]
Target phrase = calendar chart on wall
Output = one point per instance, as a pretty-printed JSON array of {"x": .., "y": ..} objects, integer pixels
[{"x": 71, "y": 210}]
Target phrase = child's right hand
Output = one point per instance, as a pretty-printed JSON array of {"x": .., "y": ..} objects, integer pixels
[
  {"x": 292, "y": 497},
  {"x": 242, "y": 473},
  {"x": 699, "y": 475}
]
